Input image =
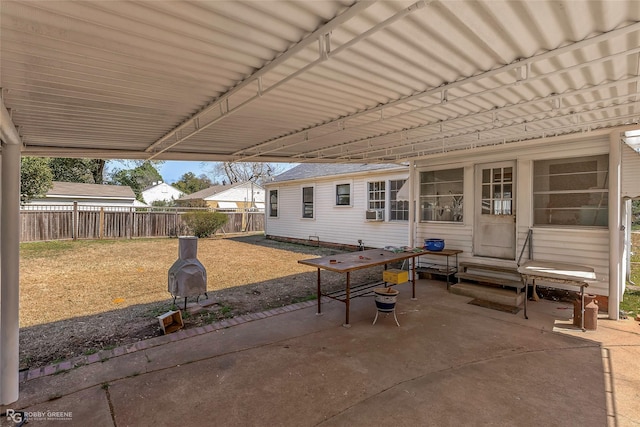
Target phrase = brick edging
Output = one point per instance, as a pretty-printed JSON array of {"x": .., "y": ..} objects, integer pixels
[{"x": 104, "y": 355}]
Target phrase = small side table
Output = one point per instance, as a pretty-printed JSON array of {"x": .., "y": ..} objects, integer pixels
[{"x": 433, "y": 268}]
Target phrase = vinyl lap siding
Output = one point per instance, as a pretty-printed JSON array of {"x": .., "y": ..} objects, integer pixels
[
  {"x": 331, "y": 223},
  {"x": 630, "y": 172},
  {"x": 582, "y": 247},
  {"x": 563, "y": 244}
]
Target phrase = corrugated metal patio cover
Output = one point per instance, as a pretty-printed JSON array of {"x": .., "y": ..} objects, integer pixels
[{"x": 320, "y": 81}]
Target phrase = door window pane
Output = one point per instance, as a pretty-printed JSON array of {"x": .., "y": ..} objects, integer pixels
[{"x": 497, "y": 198}]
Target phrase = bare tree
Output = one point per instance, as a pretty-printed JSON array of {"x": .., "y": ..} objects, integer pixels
[{"x": 235, "y": 172}]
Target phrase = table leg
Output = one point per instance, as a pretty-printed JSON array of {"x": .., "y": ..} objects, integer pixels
[
  {"x": 413, "y": 278},
  {"x": 347, "y": 301},
  {"x": 457, "y": 266},
  {"x": 447, "y": 258},
  {"x": 319, "y": 296},
  {"x": 526, "y": 293},
  {"x": 582, "y": 308}
]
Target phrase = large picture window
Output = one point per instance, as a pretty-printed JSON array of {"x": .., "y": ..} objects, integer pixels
[
  {"x": 441, "y": 195},
  {"x": 273, "y": 203},
  {"x": 307, "y": 202},
  {"x": 398, "y": 209},
  {"x": 571, "y": 192}
]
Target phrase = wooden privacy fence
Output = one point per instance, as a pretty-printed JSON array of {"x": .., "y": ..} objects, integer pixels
[{"x": 47, "y": 222}]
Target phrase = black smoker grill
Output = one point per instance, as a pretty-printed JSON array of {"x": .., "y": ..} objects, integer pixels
[{"x": 187, "y": 276}]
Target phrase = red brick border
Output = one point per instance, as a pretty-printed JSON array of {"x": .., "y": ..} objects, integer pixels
[{"x": 179, "y": 335}]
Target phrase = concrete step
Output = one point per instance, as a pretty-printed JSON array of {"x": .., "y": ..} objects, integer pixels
[
  {"x": 488, "y": 293},
  {"x": 502, "y": 281},
  {"x": 464, "y": 266}
]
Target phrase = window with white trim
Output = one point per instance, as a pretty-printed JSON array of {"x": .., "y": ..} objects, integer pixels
[
  {"x": 343, "y": 195},
  {"x": 571, "y": 191},
  {"x": 307, "y": 202},
  {"x": 376, "y": 195},
  {"x": 273, "y": 203},
  {"x": 441, "y": 195},
  {"x": 398, "y": 209}
]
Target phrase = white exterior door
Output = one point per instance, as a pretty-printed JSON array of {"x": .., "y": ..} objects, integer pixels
[{"x": 495, "y": 217}]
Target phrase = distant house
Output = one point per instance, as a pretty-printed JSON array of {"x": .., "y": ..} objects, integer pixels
[
  {"x": 160, "y": 191},
  {"x": 244, "y": 195},
  {"x": 339, "y": 204},
  {"x": 66, "y": 193}
]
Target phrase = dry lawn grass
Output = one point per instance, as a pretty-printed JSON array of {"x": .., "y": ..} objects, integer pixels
[{"x": 79, "y": 297}]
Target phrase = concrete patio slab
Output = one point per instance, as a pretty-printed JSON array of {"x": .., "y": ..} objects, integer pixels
[{"x": 449, "y": 363}]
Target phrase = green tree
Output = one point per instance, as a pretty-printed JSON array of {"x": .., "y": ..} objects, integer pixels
[
  {"x": 137, "y": 178},
  {"x": 192, "y": 203},
  {"x": 163, "y": 203},
  {"x": 35, "y": 177},
  {"x": 90, "y": 171},
  {"x": 204, "y": 224},
  {"x": 635, "y": 209},
  {"x": 190, "y": 183}
]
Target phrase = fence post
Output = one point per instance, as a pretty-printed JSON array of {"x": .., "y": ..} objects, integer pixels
[
  {"x": 74, "y": 221},
  {"x": 130, "y": 223},
  {"x": 101, "y": 224}
]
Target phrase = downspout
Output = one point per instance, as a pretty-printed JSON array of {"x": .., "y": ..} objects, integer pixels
[
  {"x": 615, "y": 225},
  {"x": 9, "y": 257},
  {"x": 412, "y": 205}
]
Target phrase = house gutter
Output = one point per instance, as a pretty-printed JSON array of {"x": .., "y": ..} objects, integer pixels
[{"x": 9, "y": 256}]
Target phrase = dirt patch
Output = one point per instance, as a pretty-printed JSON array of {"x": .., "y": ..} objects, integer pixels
[{"x": 81, "y": 297}]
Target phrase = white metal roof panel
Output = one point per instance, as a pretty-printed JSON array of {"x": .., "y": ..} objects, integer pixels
[{"x": 322, "y": 81}]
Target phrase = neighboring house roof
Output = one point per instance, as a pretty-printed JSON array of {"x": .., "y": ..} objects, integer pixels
[
  {"x": 82, "y": 190},
  {"x": 207, "y": 193},
  {"x": 313, "y": 170},
  {"x": 159, "y": 184}
]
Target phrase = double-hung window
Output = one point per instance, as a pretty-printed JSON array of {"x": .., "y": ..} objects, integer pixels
[
  {"x": 398, "y": 209},
  {"x": 307, "y": 202},
  {"x": 273, "y": 203},
  {"x": 376, "y": 195},
  {"x": 343, "y": 195}
]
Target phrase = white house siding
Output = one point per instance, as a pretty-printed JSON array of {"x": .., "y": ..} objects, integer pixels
[
  {"x": 335, "y": 224},
  {"x": 575, "y": 245},
  {"x": 162, "y": 191},
  {"x": 240, "y": 193},
  {"x": 630, "y": 172}
]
